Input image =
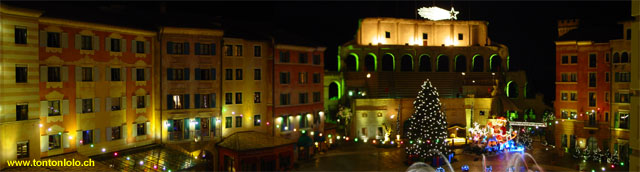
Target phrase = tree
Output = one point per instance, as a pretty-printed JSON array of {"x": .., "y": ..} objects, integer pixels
[{"x": 428, "y": 126}]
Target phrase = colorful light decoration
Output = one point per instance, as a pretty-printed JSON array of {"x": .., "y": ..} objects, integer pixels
[
  {"x": 428, "y": 123},
  {"x": 436, "y": 13}
]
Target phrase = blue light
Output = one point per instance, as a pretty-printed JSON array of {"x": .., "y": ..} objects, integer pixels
[{"x": 465, "y": 168}]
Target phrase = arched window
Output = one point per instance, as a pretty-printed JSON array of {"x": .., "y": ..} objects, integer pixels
[
  {"x": 624, "y": 58},
  {"x": 352, "y": 62},
  {"x": 443, "y": 63},
  {"x": 495, "y": 62},
  {"x": 334, "y": 91},
  {"x": 425, "y": 63},
  {"x": 407, "y": 63},
  {"x": 478, "y": 63},
  {"x": 512, "y": 89},
  {"x": 616, "y": 58},
  {"x": 461, "y": 63},
  {"x": 388, "y": 62},
  {"x": 370, "y": 62}
]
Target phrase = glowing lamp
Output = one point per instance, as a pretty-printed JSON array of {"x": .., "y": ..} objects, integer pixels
[
  {"x": 346, "y": 138},
  {"x": 128, "y": 158},
  {"x": 355, "y": 140},
  {"x": 91, "y": 145},
  {"x": 115, "y": 154},
  {"x": 374, "y": 141},
  {"x": 70, "y": 137},
  {"x": 267, "y": 123},
  {"x": 368, "y": 75},
  {"x": 40, "y": 125},
  {"x": 104, "y": 150},
  {"x": 155, "y": 166},
  {"x": 603, "y": 169},
  {"x": 320, "y": 134},
  {"x": 141, "y": 162},
  {"x": 303, "y": 131},
  {"x": 294, "y": 129},
  {"x": 312, "y": 133}
]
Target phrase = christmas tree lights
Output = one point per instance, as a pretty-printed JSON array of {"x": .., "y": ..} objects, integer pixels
[{"x": 428, "y": 126}]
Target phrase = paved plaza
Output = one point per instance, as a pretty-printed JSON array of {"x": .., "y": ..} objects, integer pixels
[{"x": 155, "y": 158}]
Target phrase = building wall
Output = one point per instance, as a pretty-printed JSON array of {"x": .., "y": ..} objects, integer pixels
[
  {"x": 12, "y": 54},
  {"x": 70, "y": 90},
  {"x": 620, "y": 133},
  {"x": 410, "y": 32},
  {"x": 635, "y": 87}
]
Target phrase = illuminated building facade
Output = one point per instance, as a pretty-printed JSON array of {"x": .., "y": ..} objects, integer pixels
[
  {"x": 592, "y": 89},
  {"x": 380, "y": 73},
  {"x": 19, "y": 86},
  {"x": 634, "y": 141}
]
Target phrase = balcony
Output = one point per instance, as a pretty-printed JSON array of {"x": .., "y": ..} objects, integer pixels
[{"x": 185, "y": 136}]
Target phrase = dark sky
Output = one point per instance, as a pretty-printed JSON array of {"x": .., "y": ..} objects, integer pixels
[{"x": 529, "y": 29}]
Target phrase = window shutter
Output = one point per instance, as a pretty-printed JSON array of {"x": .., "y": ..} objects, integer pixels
[
  {"x": 96, "y": 43},
  {"x": 186, "y": 128},
  {"x": 96, "y": 74},
  {"x": 78, "y": 138},
  {"x": 78, "y": 42},
  {"x": 96, "y": 104},
  {"x": 108, "y": 134},
  {"x": 65, "y": 140},
  {"x": 213, "y": 73},
  {"x": 197, "y": 123},
  {"x": 65, "y": 107},
  {"x": 107, "y": 106},
  {"x": 133, "y": 74},
  {"x": 197, "y": 100},
  {"x": 44, "y": 143},
  {"x": 196, "y": 49},
  {"x": 169, "y": 74},
  {"x": 148, "y": 127},
  {"x": 134, "y": 49},
  {"x": 44, "y": 108},
  {"x": 65, "y": 73},
  {"x": 64, "y": 40},
  {"x": 107, "y": 44},
  {"x": 134, "y": 102},
  {"x": 43, "y": 73},
  {"x": 213, "y": 100},
  {"x": 186, "y": 101},
  {"x": 197, "y": 72},
  {"x": 123, "y": 45},
  {"x": 134, "y": 130},
  {"x": 123, "y": 74},
  {"x": 213, "y": 49},
  {"x": 147, "y": 74},
  {"x": 169, "y": 102},
  {"x": 186, "y": 48},
  {"x": 147, "y": 101},
  {"x": 147, "y": 47},
  {"x": 78, "y": 106},
  {"x": 96, "y": 136},
  {"x": 186, "y": 74},
  {"x": 78, "y": 73},
  {"x": 123, "y": 103},
  {"x": 169, "y": 47},
  {"x": 107, "y": 74},
  {"x": 123, "y": 132},
  {"x": 43, "y": 38},
  {"x": 212, "y": 126}
]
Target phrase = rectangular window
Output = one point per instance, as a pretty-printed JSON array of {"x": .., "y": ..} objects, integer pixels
[
  {"x": 205, "y": 74},
  {"x": 623, "y": 121},
  {"x": 564, "y": 95},
  {"x": 316, "y": 78},
  {"x": 303, "y": 58},
  {"x": 574, "y": 77},
  {"x": 228, "y": 98},
  {"x": 205, "y": 49},
  {"x": 565, "y": 77},
  {"x": 304, "y": 122},
  {"x": 621, "y": 98},
  {"x": 53, "y": 74},
  {"x": 115, "y": 74},
  {"x": 87, "y": 105},
  {"x": 316, "y": 97},
  {"x": 574, "y": 59},
  {"x": 53, "y": 39},
  {"x": 23, "y": 150},
  {"x": 87, "y": 138},
  {"x": 116, "y": 104},
  {"x": 205, "y": 100},
  {"x": 460, "y": 36},
  {"x": 565, "y": 59},
  {"x": 303, "y": 98},
  {"x": 140, "y": 74},
  {"x": 87, "y": 74},
  {"x": 238, "y": 50},
  {"x": 21, "y": 73},
  {"x": 178, "y": 101},
  {"x": 592, "y": 60},
  {"x": 21, "y": 35},
  {"x": 141, "y": 129},
  {"x": 87, "y": 42},
  {"x": 302, "y": 77},
  {"x": 592, "y": 79},
  {"x": 286, "y": 123},
  {"x": 285, "y": 99},
  {"x": 228, "y": 50},
  {"x": 606, "y": 97},
  {"x": 115, "y": 45},
  {"x": 425, "y": 36},
  {"x": 256, "y": 97},
  {"x": 284, "y": 77},
  {"x": 316, "y": 59},
  {"x": 227, "y": 122},
  {"x": 607, "y": 58},
  {"x": 141, "y": 101},
  {"x": 387, "y": 34},
  {"x": 628, "y": 34},
  {"x": 54, "y": 108},
  {"x": 606, "y": 77},
  {"x": 622, "y": 77},
  {"x": 257, "y": 51},
  {"x": 239, "y": 74},
  {"x": 55, "y": 141},
  {"x": 257, "y": 75},
  {"x": 140, "y": 47},
  {"x": 238, "y": 121},
  {"x": 178, "y": 48},
  {"x": 592, "y": 99},
  {"x": 213, "y": 74},
  {"x": 284, "y": 57},
  {"x": 228, "y": 75},
  {"x": 257, "y": 120},
  {"x": 22, "y": 112},
  {"x": 178, "y": 74},
  {"x": 238, "y": 98},
  {"x": 574, "y": 96},
  {"x": 116, "y": 133}
]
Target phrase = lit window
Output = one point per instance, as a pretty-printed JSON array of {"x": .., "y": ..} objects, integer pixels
[
  {"x": 87, "y": 138},
  {"x": 54, "y": 108},
  {"x": 141, "y": 129},
  {"x": 23, "y": 150},
  {"x": 87, "y": 105},
  {"x": 55, "y": 141},
  {"x": 22, "y": 112},
  {"x": 116, "y": 133},
  {"x": 238, "y": 121}
]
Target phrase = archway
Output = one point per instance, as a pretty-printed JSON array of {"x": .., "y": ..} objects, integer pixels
[
  {"x": 406, "y": 65},
  {"x": 388, "y": 62},
  {"x": 461, "y": 63},
  {"x": 425, "y": 63},
  {"x": 512, "y": 89},
  {"x": 495, "y": 63},
  {"x": 616, "y": 58},
  {"x": 371, "y": 62},
  {"x": 334, "y": 91},
  {"x": 478, "y": 63},
  {"x": 443, "y": 63},
  {"x": 352, "y": 62}
]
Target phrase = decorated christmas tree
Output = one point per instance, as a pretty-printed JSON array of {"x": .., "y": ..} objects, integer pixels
[{"x": 427, "y": 126}]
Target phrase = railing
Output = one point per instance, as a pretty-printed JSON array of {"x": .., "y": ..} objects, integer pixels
[{"x": 180, "y": 135}]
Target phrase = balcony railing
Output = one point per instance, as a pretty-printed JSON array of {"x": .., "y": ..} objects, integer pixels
[{"x": 180, "y": 135}]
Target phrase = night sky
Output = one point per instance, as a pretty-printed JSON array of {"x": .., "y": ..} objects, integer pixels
[{"x": 529, "y": 29}]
